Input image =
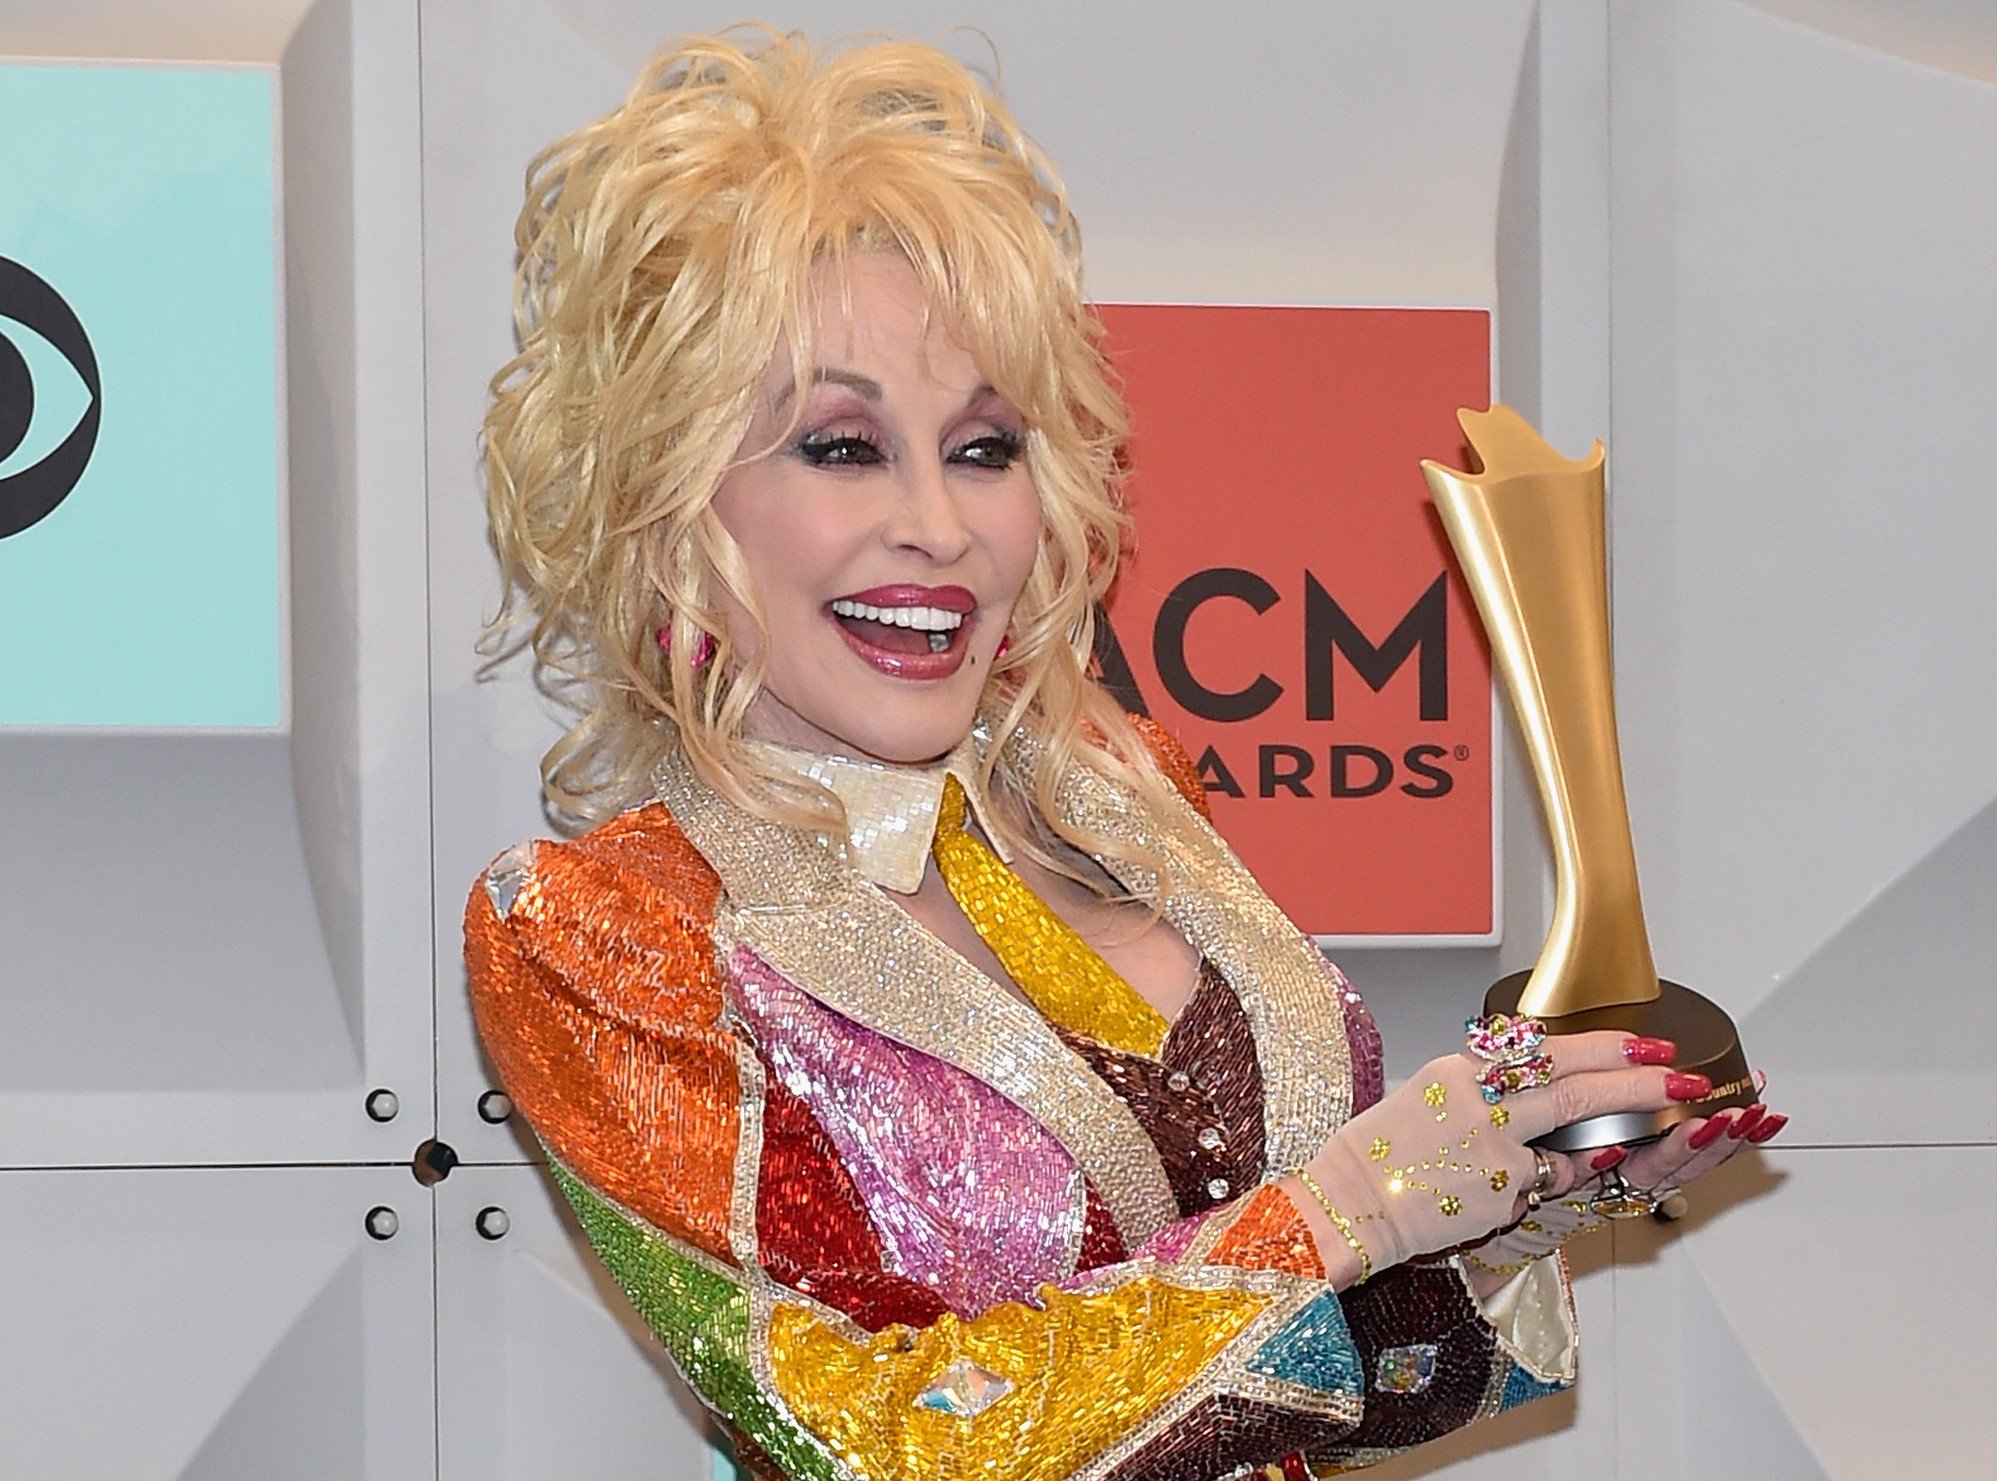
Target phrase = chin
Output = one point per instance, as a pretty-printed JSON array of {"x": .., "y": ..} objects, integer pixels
[
  {"x": 908, "y": 736},
  {"x": 885, "y": 722}
]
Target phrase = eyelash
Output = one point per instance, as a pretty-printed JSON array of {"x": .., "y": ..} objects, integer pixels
[{"x": 994, "y": 451}]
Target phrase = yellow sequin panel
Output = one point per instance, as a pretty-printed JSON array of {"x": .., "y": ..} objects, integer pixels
[
  {"x": 1084, "y": 1372},
  {"x": 1065, "y": 979}
]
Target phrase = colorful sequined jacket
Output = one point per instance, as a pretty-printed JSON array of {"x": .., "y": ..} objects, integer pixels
[{"x": 890, "y": 1223}]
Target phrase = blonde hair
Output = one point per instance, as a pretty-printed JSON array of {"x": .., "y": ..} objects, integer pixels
[{"x": 666, "y": 249}]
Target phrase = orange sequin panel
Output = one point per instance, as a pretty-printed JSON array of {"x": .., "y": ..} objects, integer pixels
[
  {"x": 1073, "y": 1379},
  {"x": 1173, "y": 760},
  {"x": 1269, "y": 1235},
  {"x": 597, "y": 998}
]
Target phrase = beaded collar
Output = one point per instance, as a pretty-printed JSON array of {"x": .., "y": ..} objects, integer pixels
[{"x": 891, "y": 811}]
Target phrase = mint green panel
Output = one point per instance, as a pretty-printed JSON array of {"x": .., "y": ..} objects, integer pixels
[{"x": 146, "y": 592}]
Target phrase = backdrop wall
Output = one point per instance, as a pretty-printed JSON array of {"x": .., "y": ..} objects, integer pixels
[{"x": 1746, "y": 244}]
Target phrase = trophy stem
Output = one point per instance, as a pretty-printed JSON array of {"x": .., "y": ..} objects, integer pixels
[{"x": 1534, "y": 551}]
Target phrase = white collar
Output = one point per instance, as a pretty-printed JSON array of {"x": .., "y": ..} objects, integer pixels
[{"x": 891, "y": 811}]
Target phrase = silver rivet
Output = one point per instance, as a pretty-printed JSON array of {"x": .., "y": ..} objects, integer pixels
[
  {"x": 495, "y": 1106},
  {"x": 1217, "y": 1188},
  {"x": 1179, "y": 1081},
  {"x": 492, "y": 1223},
  {"x": 1210, "y": 1138},
  {"x": 381, "y": 1222},
  {"x": 383, "y": 1105}
]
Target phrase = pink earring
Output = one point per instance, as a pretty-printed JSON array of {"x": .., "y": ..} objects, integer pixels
[
  {"x": 703, "y": 649},
  {"x": 1004, "y": 643}
]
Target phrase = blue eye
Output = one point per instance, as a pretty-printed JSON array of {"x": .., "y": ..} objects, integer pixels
[
  {"x": 848, "y": 450},
  {"x": 48, "y": 399},
  {"x": 995, "y": 450}
]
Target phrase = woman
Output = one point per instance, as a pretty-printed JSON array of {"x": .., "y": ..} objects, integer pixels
[{"x": 943, "y": 1092}]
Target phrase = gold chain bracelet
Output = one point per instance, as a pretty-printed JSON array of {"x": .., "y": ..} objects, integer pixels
[{"x": 1339, "y": 1222}]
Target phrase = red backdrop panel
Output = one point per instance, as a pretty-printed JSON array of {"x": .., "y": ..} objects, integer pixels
[{"x": 1292, "y": 610}]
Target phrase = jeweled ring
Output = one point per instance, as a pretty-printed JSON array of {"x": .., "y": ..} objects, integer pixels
[
  {"x": 1545, "y": 1174},
  {"x": 1618, "y": 1200},
  {"x": 1502, "y": 1038},
  {"x": 1501, "y": 1080}
]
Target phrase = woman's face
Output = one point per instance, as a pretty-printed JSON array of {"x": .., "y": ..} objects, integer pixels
[{"x": 887, "y": 535}]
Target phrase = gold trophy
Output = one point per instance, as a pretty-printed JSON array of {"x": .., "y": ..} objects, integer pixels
[{"x": 1530, "y": 532}]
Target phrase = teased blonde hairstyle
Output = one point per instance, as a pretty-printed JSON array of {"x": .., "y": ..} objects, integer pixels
[{"x": 665, "y": 251}]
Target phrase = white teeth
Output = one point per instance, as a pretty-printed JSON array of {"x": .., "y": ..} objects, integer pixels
[{"x": 922, "y": 619}]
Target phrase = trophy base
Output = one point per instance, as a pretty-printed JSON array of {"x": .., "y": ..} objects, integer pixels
[{"x": 1708, "y": 1044}]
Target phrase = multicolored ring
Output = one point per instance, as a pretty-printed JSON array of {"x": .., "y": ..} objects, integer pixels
[
  {"x": 1500, "y": 1038},
  {"x": 1501, "y": 1080}
]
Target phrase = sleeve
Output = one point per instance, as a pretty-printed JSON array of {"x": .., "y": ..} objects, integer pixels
[{"x": 595, "y": 994}]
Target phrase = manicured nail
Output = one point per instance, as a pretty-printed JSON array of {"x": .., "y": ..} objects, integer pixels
[
  {"x": 1706, "y": 1135},
  {"x": 1649, "y": 1051},
  {"x": 1760, "y": 1081},
  {"x": 1745, "y": 1122},
  {"x": 1680, "y": 1086},
  {"x": 1607, "y": 1158},
  {"x": 1767, "y": 1129}
]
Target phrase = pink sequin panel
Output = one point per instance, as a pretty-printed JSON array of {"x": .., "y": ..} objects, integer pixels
[{"x": 972, "y": 1196}]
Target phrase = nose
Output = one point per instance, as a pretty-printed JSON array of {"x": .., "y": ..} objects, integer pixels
[{"x": 926, "y": 517}]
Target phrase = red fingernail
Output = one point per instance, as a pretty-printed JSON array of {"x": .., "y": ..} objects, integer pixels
[
  {"x": 1680, "y": 1086},
  {"x": 1649, "y": 1051},
  {"x": 1767, "y": 1129},
  {"x": 1607, "y": 1158},
  {"x": 1706, "y": 1135},
  {"x": 1745, "y": 1122}
]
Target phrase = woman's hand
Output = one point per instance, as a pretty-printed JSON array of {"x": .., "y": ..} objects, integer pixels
[
  {"x": 1688, "y": 1151},
  {"x": 1435, "y": 1165}
]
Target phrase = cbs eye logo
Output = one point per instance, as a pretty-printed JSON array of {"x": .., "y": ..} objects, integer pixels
[{"x": 49, "y": 399}]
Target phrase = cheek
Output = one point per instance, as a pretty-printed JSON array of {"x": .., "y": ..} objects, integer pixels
[
  {"x": 1013, "y": 537},
  {"x": 789, "y": 545}
]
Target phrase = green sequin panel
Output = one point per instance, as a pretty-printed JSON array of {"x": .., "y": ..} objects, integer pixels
[{"x": 703, "y": 1319}]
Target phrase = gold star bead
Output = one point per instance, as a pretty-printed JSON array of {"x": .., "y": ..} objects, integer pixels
[
  {"x": 1499, "y": 1179},
  {"x": 1435, "y": 1095},
  {"x": 1500, "y": 1116},
  {"x": 1450, "y": 1204},
  {"x": 1381, "y": 1149}
]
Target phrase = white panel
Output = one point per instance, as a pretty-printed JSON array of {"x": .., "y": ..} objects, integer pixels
[
  {"x": 1804, "y": 315},
  {"x": 543, "y": 1367},
  {"x": 198, "y": 973},
  {"x": 198, "y": 1323},
  {"x": 1749, "y": 1347},
  {"x": 500, "y": 82}
]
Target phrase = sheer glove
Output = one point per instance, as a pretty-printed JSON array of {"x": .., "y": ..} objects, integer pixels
[{"x": 1433, "y": 1166}]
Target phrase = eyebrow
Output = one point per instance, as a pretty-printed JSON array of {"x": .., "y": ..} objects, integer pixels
[{"x": 866, "y": 385}]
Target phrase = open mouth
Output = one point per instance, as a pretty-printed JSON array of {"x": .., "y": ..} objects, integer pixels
[
  {"x": 907, "y": 631},
  {"x": 900, "y": 629}
]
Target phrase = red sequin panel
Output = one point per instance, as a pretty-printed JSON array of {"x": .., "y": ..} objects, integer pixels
[
  {"x": 1102, "y": 1242},
  {"x": 812, "y": 1229},
  {"x": 597, "y": 998}
]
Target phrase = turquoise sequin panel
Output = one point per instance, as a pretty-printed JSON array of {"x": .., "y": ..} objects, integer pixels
[
  {"x": 1522, "y": 1388},
  {"x": 1314, "y": 1349}
]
